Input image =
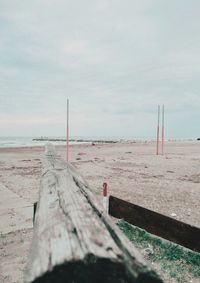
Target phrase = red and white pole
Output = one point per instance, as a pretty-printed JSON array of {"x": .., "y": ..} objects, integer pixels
[
  {"x": 67, "y": 133},
  {"x": 163, "y": 128},
  {"x": 105, "y": 197},
  {"x": 158, "y": 131}
]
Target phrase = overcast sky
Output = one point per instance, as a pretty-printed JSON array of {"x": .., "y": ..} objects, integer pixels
[{"x": 115, "y": 60}]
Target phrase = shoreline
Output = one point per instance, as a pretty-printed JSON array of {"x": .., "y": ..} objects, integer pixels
[{"x": 72, "y": 142}]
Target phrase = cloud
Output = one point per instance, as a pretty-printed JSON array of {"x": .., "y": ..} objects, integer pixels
[
  {"x": 75, "y": 46},
  {"x": 26, "y": 121},
  {"x": 115, "y": 61}
]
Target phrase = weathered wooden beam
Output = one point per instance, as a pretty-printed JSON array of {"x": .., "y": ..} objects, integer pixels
[
  {"x": 74, "y": 240},
  {"x": 156, "y": 223}
]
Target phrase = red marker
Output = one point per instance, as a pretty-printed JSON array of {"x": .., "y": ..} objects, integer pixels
[
  {"x": 158, "y": 131},
  {"x": 67, "y": 133},
  {"x": 105, "y": 189},
  {"x": 105, "y": 197},
  {"x": 163, "y": 128}
]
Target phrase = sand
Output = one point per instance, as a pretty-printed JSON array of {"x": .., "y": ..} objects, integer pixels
[{"x": 168, "y": 184}]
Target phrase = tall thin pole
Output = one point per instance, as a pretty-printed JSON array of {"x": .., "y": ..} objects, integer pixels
[
  {"x": 163, "y": 128},
  {"x": 158, "y": 131},
  {"x": 67, "y": 132}
]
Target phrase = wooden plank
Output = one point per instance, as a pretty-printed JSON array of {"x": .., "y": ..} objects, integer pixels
[
  {"x": 74, "y": 240},
  {"x": 156, "y": 223}
]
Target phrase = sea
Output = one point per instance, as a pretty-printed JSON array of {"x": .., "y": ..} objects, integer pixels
[{"x": 41, "y": 141}]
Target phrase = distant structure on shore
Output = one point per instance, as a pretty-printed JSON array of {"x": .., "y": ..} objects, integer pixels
[{"x": 74, "y": 140}]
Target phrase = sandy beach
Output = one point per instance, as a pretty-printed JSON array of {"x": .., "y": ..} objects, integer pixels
[{"x": 168, "y": 184}]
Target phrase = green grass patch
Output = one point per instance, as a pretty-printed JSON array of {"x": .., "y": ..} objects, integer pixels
[{"x": 178, "y": 262}]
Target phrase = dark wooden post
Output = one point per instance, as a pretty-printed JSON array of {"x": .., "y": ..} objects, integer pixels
[
  {"x": 156, "y": 223},
  {"x": 34, "y": 211}
]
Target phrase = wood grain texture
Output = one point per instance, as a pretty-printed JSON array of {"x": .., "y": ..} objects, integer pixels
[
  {"x": 156, "y": 223},
  {"x": 74, "y": 240}
]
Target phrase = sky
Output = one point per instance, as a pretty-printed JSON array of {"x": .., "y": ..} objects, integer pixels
[{"x": 115, "y": 60}]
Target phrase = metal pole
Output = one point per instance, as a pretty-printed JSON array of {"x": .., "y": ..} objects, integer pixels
[
  {"x": 163, "y": 128},
  {"x": 158, "y": 131},
  {"x": 67, "y": 132}
]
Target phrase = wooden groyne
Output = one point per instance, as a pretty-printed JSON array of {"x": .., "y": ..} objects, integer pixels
[{"x": 73, "y": 239}]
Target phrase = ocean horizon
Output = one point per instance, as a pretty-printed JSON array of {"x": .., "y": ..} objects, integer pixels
[
  {"x": 61, "y": 140},
  {"x": 42, "y": 140}
]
